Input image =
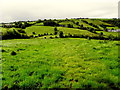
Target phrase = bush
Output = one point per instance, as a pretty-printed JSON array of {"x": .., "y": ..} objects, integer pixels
[
  {"x": 39, "y": 21},
  {"x": 23, "y": 26},
  {"x": 101, "y": 33},
  {"x": 51, "y": 37},
  {"x": 77, "y": 23},
  {"x": 69, "y": 35},
  {"x": 21, "y": 31},
  {"x": 55, "y": 31},
  {"x": 13, "y": 53},
  {"x": 13, "y": 34},
  {"x": 50, "y": 23},
  {"x": 44, "y": 34},
  {"x": 61, "y": 34},
  {"x": 70, "y": 26},
  {"x": 111, "y": 37},
  {"x": 33, "y": 33},
  {"x": 39, "y": 35},
  {"x": 56, "y": 37}
]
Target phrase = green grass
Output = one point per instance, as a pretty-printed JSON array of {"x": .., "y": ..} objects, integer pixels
[
  {"x": 32, "y": 22},
  {"x": 75, "y": 31},
  {"x": 83, "y": 23},
  {"x": 49, "y": 30},
  {"x": 60, "y": 63},
  {"x": 108, "y": 33},
  {"x": 68, "y": 22},
  {"x": 39, "y": 29},
  {"x": 112, "y": 28},
  {"x": 96, "y": 22},
  {"x": 39, "y": 24}
]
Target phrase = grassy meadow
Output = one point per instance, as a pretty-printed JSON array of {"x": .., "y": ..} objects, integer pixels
[
  {"x": 51, "y": 61},
  {"x": 60, "y": 63}
]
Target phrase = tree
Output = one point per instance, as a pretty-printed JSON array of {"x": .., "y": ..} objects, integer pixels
[
  {"x": 101, "y": 33},
  {"x": 70, "y": 26},
  {"x": 39, "y": 21},
  {"x": 111, "y": 37},
  {"x": 81, "y": 26},
  {"x": 50, "y": 23},
  {"x": 55, "y": 31},
  {"x": 91, "y": 29},
  {"x": 18, "y": 24},
  {"x": 106, "y": 29},
  {"x": 34, "y": 33},
  {"x": 61, "y": 34},
  {"x": 26, "y": 24},
  {"x": 77, "y": 23},
  {"x": 69, "y": 35},
  {"x": 23, "y": 26}
]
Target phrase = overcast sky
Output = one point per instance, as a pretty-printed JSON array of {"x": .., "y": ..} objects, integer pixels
[{"x": 14, "y": 10}]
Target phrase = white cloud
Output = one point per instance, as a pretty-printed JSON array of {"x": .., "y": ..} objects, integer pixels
[{"x": 12, "y": 10}]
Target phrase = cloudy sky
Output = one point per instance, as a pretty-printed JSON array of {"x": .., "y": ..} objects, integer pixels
[{"x": 14, "y": 10}]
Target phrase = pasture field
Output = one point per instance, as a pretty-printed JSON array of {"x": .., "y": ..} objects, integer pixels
[
  {"x": 60, "y": 63},
  {"x": 48, "y": 54},
  {"x": 39, "y": 30},
  {"x": 68, "y": 22},
  {"x": 50, "y": 30},
  {"x": 109, "y": 33}
]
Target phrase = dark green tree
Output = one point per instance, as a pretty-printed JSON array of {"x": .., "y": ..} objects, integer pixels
[
  {"x": 61, "y": 34},
  {"x": 33, "y": 33},
  {"x": 39, "y": 21},
  {"x": 77, "y": 23},
  {"x": 55, "y": 31},
  {"x": 70, "y": 26},
  {"x": 50, "y": 23}
]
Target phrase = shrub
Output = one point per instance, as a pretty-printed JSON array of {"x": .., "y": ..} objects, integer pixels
[
  {"x": 13, "y": 53},
  {"x": 33, "y": 33},
  {"x": 50, "y": 23},
  {"x": 55, "y": 31},
  {"x": 13, "y": 34},
  {"x": 111, "y": 37},
  {"x": 23, "y": 26},
  {"x": 69, "y": 35},
  {"x": 39, "y": 21},
  {"x": 70, "y": 26},
  {"x": 21, "y": 31},
  {"x": 39, "y": 35},
  {"x": 3, "y": 50},
  {"x": 44, "y": 34},
  {"x": 51, "y": 37},
  {"x": 61, "y": 34},
  {"x": 101, "y": 33},
  {"x": 77, "y": 23},
  {"x": 56, "y": 37}
]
